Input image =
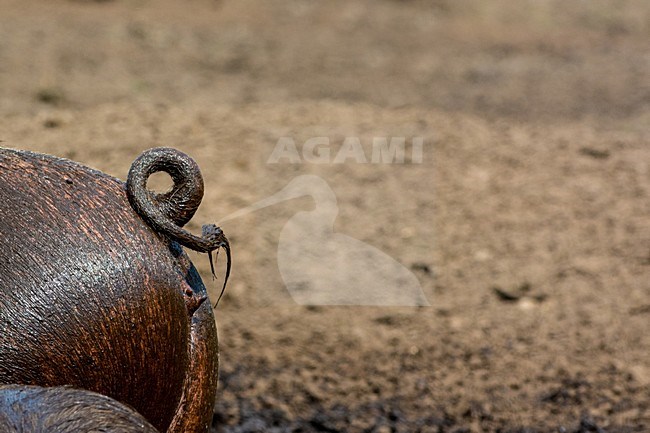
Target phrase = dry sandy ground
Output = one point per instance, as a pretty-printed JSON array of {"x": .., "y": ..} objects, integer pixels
[{"x": 527, "y": 222}]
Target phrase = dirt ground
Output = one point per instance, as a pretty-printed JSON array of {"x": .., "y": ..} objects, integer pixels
[{"x": 527, "y": 222}]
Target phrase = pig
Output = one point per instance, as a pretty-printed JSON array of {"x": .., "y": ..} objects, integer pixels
[
  {"x": 96, "y": 290},
  {"x": 34, "y": 409}
]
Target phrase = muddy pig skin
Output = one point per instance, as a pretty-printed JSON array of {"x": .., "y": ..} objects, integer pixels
[
  {"x": 92, "y": 297},
  {"x": 32, "y": 409}
]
